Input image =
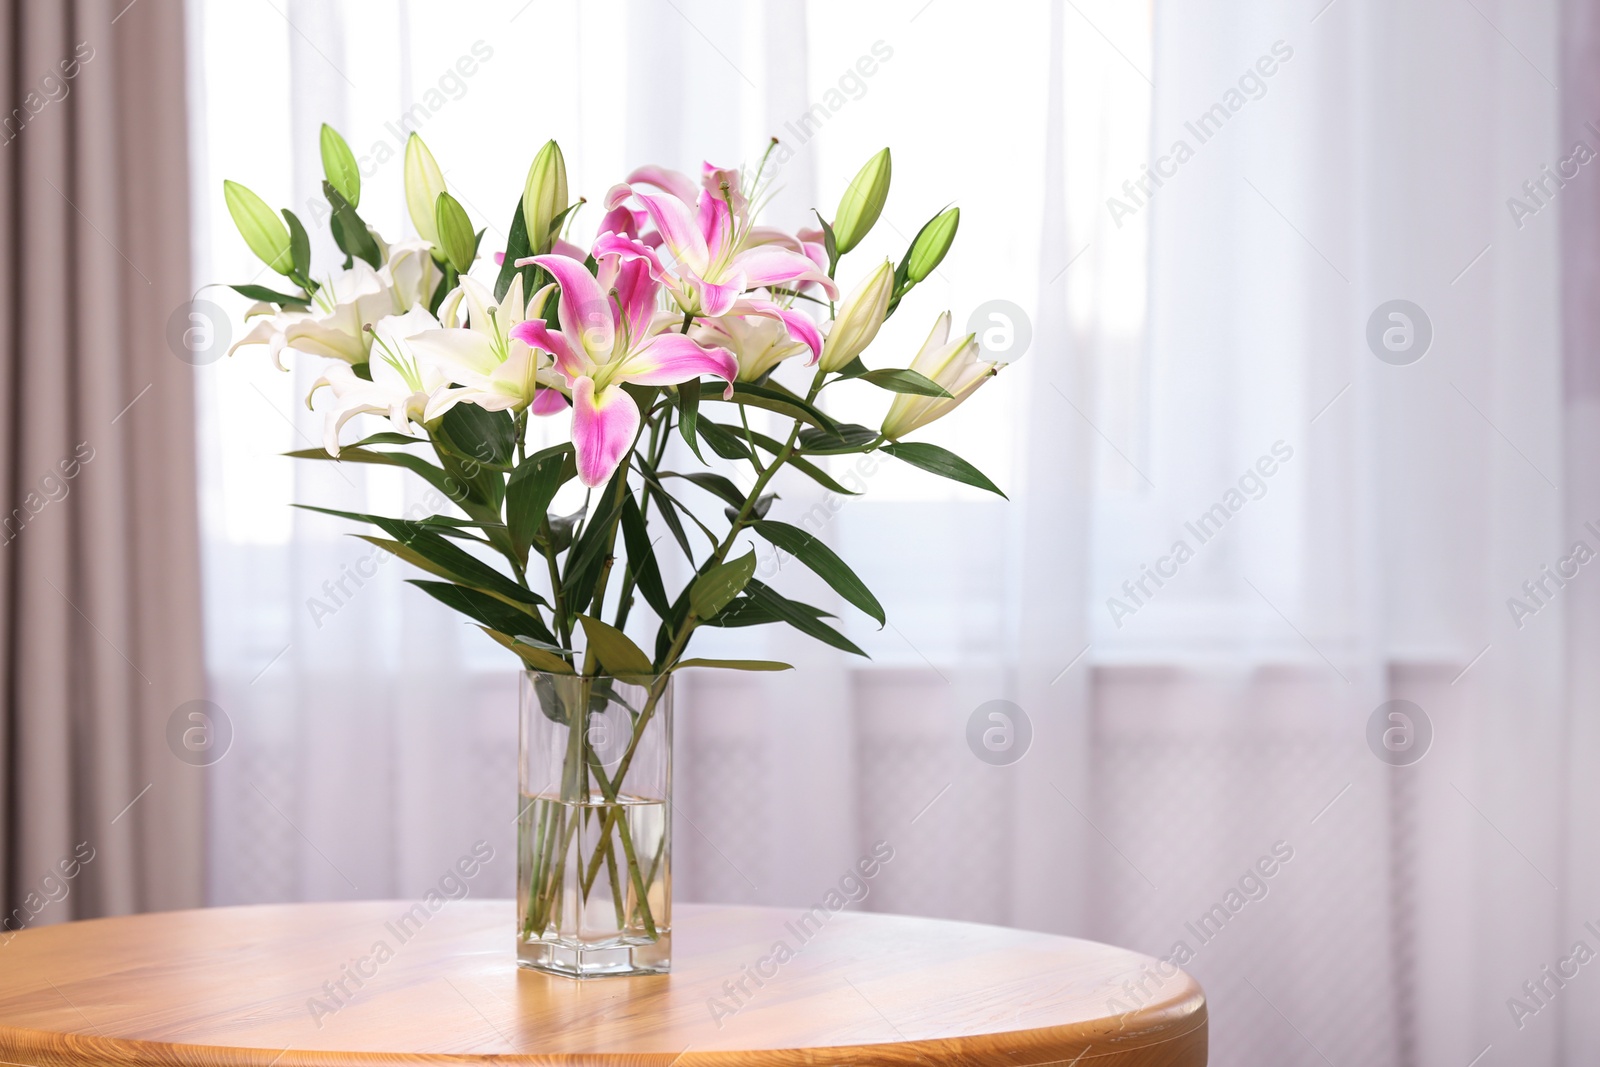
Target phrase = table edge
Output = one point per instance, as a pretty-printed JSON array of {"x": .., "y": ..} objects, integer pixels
[{"x": 56, "y": 1049}]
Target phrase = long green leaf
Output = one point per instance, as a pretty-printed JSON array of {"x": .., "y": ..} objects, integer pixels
[
  {"x": 488, "y": 610},
  {"x": 721, "y": 440},
  {"x": 272, "y": 296},
  {"x": 615, "y": 650},
  {"x": 810, "y": 550},
  {"x": 897, "y": 380},
  {"x": 435, "y": 476},
  {"x": 531, "y": 488},
  {"x": 735, "y": 664},
  {"x": 940, "y": 461},
  {"x": 479, "y": 435},
  {"x": 689, "y": 415},
  {"x": 445, "y": 559},
  {"x": 536, "y": 658},
  {"x": 774, "y": 397},
  {"x": 716, "y": 586},
  {"x": 642, "y": 557},
  {"x": 800, "y": 616}
]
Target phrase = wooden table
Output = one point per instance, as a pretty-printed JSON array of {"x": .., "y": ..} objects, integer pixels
[{"x": 308, "y": 985}]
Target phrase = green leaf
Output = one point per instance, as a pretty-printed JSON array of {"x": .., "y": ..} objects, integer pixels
[
  {"x": 805, "y": 466},
  {"x": 435, "y": 476},
  {"x": 587, "y": 558},
  {"x": 485, "y": 609},
  {"x": 477, "y": 574},
  {"x": 387, "y": 437},
  {"x": 299, "y": 246},
  {"x": 862, "y": 202},
  {"x": 940, "y": 461},
  {"x": 721, "y": 440},
  {"x": 802, "y": 617},
  {"x": 339, "y": 164},
  {"x": 851, "y": 437},
  {"x": 535, "y": 658},
  {"x": 272, "y": 296},
  {"x": 669, "y": 514},
  {"x": 717, "y": 586},
  {"x": 642, "y": 557},
  {"x": 735, "y": 664},
  {"x": 689, "y": 415},
  {"x": 774, "y": 397},
  {"x": 717, "y": 485},
  {"x": 517, "y": 247},
  {"x": 479, "y": 434},
  {"x": 458, "y": 564},
  {"x": 810, "y": 550},
  {"x": 455, "y": 232},
  {"x": 897, "y": 380},
  {"x": 532, "y": 486},
  {"x": 349, "y": 232},
  {"x": 615, "y": 650}
]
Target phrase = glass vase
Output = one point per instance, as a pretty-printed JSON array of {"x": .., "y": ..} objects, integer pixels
[{"x": 594, "y": 829}]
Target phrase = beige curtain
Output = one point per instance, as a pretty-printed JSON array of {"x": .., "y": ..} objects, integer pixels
[{"x": 100, "y": 635}]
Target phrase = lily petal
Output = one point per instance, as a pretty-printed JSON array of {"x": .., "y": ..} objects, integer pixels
[
  {"x": 602, "y": 429},
  {"x": 679, "y": 230},
  {"x": 671, "y": 358},
  {"x": 800, "y": 327},
  {"x": 668, "y": 181},
  {"x": 549, "y": 402},
  {"x": 535, "y": 334},
  {"x": 585, "y": 311},
  {"x": 775, "y": 265}
]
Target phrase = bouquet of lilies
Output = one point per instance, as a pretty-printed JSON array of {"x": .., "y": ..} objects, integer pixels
[{"x": 667, "y": 327}]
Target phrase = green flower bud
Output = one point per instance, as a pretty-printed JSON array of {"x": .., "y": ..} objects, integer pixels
[
  {"x": 339, "y": 164},
  {"x": 456, "y": 239},
  {"x": 862, "y": 202},
  {"x": 260, "y": 226},
  {"x": 544, "y": 195},
  {"x": 424, "y": 183},
  {"x": 931, "y": 244}
]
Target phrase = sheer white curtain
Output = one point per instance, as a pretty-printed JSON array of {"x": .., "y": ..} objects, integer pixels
[{"x": 1199, "y": 341}]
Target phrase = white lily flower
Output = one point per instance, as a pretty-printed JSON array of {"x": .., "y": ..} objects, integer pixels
[
  {"x": 403, "y": 388},
  {"x": 351, "y": 300},
  {"x": 493, "y": 369},
  {"x": 758, "y": 342},
  {"x": 954, "y": 365}
]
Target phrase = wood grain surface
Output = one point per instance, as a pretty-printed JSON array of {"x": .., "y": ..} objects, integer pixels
[{"x": 306, "y": 985}]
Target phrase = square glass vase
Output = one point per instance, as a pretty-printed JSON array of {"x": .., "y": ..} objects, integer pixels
[{"x": 594, "y": 826}]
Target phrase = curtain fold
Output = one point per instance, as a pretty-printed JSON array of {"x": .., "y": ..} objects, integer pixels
[{"x": 99, "y": 586}]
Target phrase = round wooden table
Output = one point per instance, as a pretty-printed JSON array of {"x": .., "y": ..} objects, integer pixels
[{"x": 319, "y": 985}]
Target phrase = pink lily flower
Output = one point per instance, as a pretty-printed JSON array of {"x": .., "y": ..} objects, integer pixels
[
  {"x": 606, "y": 341},
  {"x": 717, "y": 251}
]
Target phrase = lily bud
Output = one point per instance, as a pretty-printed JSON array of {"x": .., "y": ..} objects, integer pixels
[
  {"x": 862, "y": 202},
  {"x": 455, "y": 233},
  {"x": 260, "y": 227},
  {"x": 339, "y": 165},
  {"x": 859, "y": 318},
  {"x": 424, "y": 183},
  {"x": 952, "y": 364},
  {"x": 931, "y": 244},
  {"x": 544, "y": 195}
]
